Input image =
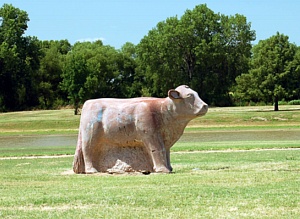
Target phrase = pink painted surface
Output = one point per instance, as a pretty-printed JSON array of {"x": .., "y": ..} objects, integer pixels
[{"x": 134, "y": 135}]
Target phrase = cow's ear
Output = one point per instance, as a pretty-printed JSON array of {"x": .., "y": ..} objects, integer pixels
[{"x": 174, "y": 94}]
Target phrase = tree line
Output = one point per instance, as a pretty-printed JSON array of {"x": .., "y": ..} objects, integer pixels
[{"x": 211, "y": 52}]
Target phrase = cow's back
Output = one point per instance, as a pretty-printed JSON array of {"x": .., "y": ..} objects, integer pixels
[{"x": 122, "y": 120}]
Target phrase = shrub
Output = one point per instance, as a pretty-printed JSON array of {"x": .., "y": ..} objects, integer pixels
[
  {"x": 294, "y": 102},
  {"x": 282, "y": 102}
]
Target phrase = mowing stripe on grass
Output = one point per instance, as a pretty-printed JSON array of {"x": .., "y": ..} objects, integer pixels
[{"x": 175, "y": 152}]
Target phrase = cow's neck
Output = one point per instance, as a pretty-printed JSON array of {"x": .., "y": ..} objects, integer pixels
[
  {"x": 172, "y": 116},
  {"x": 173, "y": 124}
]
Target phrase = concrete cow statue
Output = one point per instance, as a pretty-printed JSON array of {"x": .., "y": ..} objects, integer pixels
[{"x": 134, "y": 135}]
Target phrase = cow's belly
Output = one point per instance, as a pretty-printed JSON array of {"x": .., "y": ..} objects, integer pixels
[
  {"x": 121, "y": 148},
  {"x": 122, "y": 142},
  {"x": 121, "y": 134},
  {"x": 121, "y": 127}
]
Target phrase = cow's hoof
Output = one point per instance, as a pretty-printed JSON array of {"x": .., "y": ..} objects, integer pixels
[
  {"x": 162, "y": 170},
  {"x": 91, "y": 170}
]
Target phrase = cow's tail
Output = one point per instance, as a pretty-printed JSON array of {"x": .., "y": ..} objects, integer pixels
[{"x": 78, "y": 163}]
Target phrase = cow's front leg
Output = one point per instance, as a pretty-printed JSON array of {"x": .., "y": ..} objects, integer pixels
[
  {"x": 168, "y": 159},
  {"x": 158, "y": 154}
]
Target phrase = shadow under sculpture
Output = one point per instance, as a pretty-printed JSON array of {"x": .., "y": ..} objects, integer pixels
[{"x": 136, "y": 134}]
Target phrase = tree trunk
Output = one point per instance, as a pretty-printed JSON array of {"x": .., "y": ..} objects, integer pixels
[
  {"x": 276, "y": 108},
  {"x": 76, "y": 111},
  {"x": 76, "y": 107}
]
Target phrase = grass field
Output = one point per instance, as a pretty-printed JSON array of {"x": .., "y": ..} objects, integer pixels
[{"x": 232, "y": 163}]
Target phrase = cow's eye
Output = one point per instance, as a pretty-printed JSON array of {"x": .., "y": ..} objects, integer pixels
[{"x": 190, "y": 95}]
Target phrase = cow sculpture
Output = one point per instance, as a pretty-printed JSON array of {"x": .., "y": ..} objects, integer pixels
[{"x": 134, "y": 135}]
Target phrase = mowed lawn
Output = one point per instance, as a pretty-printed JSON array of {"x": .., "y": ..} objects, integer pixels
[{"x": 237, "y": 162}]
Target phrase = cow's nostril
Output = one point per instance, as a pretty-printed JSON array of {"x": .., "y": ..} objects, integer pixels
[{"x": 204, "y": 108}]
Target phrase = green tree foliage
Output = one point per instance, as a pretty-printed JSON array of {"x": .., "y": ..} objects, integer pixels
[
  {"x": 202, "y": 49},
  {"x": 209, "y": 51},
  {"x": 130, "y": 82},
  {"x": 294, "y": 79},
  {"x": 74, "y": 76},
  {"x": 50, "y": 71},
  {"x": 19, "y": 61},
  {"x": 274, "y": 72},
  {"x": 93, "y": 70}
]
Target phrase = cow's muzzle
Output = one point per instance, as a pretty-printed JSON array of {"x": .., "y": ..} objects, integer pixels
[{"x": 203, "y": 110}]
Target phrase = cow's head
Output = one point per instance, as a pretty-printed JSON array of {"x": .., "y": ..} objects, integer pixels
[{"x": 187, "y": 101}]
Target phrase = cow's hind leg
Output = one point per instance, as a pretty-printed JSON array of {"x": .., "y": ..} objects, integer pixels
[
  {"x": 78, "y": 162},
  {"x": 90, "y": 152},
  {"x": 91, "y": 158},
  {"x": 89, "y": 165}
]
